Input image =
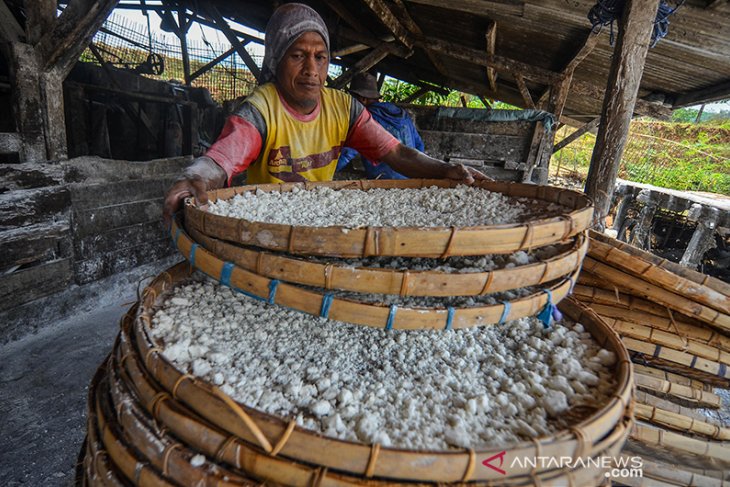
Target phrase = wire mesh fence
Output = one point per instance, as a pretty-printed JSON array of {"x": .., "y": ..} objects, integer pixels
[{"x": 128, "y": 44}]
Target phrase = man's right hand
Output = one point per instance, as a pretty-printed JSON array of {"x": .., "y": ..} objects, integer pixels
[{"x": 190, "y": 186}]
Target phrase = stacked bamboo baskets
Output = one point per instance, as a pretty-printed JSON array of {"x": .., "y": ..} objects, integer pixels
[
  {"x": 149, "y": 421},
  {"x": 674, "y": 322}
]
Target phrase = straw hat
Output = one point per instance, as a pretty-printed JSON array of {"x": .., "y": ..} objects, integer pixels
[{"x": 365, "y": 85}]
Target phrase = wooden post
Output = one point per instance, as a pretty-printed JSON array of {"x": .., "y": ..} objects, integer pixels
[
  {"x": 703, "y": 238},
  {"x": 619, "y": 101},
  {"x": 182, "y": 33}
]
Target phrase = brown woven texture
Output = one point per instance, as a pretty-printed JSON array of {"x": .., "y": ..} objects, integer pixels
[
  {"x": 364, "y": 313},
  {"x": 671, "y": 377},
  {"x": 656, "y": 473},
  {"x": 696, "y": 397},
  {"x": 346, "y": 277},
  {"x": 175, "y": 397},
  {"x": 337, "y": 241}
]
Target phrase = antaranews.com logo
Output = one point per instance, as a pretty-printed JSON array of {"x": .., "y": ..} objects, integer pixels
[{"x": 614, "y": 467}]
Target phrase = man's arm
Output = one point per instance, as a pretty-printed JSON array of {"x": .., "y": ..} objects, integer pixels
[
  {"x": 416, "y": 164},
  {"x": 201, "y": 176}
]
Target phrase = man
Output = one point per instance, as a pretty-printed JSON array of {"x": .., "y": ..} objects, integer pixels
[
  {"x": 292, "y": 128},
  {"x": 364, "y": 87}
]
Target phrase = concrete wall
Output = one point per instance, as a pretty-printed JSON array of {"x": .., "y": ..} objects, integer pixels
[{"x": 72, "y": 223}]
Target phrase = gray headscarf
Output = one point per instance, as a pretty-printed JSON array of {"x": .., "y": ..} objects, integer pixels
[{"x": 285, "y": 26}]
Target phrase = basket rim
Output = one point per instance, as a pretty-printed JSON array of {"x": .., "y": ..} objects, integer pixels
[
  {"x": 592, "y": 428},
  {"x": 557, "y": 228}
]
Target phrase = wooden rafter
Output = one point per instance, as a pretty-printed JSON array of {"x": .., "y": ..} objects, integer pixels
[
  {"x": 204, "y": 69},
  {"x": 414, "y": 29},
  {"x": 345, "y": 14},
  {"x": 394, "y": 49},
  {"x": 491, "y": 38},
  {"x": 588, "y": 127},
  {"x": 221, "y": 23},
  {"x": 389, "y": 20},
  {"x": 524, "y": 91},
  {"x": 362, "y": 65},
  {"x": 717, "y": 92},
  {"x": 583, "y": 53},
  {"x": 40, "y": 17},
  {"x": 345, "y": 51}
]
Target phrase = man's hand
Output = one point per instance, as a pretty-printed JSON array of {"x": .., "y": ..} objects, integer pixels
[
  {"x": 468, "y": 175},
  {"x": 189, "y": 186}
]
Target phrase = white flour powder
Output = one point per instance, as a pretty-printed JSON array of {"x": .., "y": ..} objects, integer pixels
[
  {"x": 423, "y": 389},
  {"x": 427, "y": 207}
]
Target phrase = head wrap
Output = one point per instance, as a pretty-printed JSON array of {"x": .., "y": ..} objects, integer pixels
[{"x": 288, "y": 22}]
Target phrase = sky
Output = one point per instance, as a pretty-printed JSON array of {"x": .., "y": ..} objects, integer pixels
[{"x": 197, "y": 32}]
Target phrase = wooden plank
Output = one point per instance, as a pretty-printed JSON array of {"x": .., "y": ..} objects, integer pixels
[
  {"x": 221, "y": 24},
  {"x": 362, "y": 65},
  {"x": 345, "y": 51},
  {"x": 112, "y": 240},
  {"x": 26, "y": 285},
  {"x": 35, "y": 243},
  {"x": 402, "y": 11},
  {"x": 585, "y": 50},
  {"x": 491, "y": 38},
  {"x": 524, "y": 92},
  {"x": 121, "y": 260},
  {"x": 99, "y": 220},
  {"x": 719, "y": 91},
  {"x": 577, "y": 134},
  {"x": 390, "y": 21},
  {"x": 29, "y": 176},
  {"x": 619, "y": 101},
  {"x": 344, "y": 13},
  {"x": 91, "y": 196},
  {"x": 475, "y": 146},
  {"x": 40, "y": 15},
  {"x": 27, "y": 207}
]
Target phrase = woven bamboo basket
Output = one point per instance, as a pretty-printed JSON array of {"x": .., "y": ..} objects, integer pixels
[
  {"x": 342, "y": 276},
  {"x": 683, "y": 363},
  {"x": 338, "y": 241},
  {"x": 350, "y": 311},
  {"x": 660, "y": 474},
  {"x": 694, "y": 411},
  {"x": 696, "y": 397},
  {"x": 173, "y": 416},
  {"x": 272, "y": 436},
  {"x": 656, "y": 271},
  {"x": 671, "y": 377},
  {"x": 680, "y": 422},
  {"x": 658, "y": 294},
  {"x": 680, "y": 448}
]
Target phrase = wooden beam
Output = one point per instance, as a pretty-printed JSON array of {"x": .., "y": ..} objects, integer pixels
[
  {"x": 386, "y": 16},
  {"x": 414, "y": 29},
  {"x": 624, "y": 78},
  {"x": 349, "y": 50},
  {"x": 716, "y": 92},
  {"x": 61, "y": 48},
  {"x": 204, "y": 69},
  {"x": 575, "y": 135},
  {"x": 182, "y": 33},
  {"x": 641, "y": 107},
  {"x": 486, "y": 103},
  {"x": 479, "y": 7},
  {"x": 526, "y": 97},
  {"x": 345, "y": 14},
  {"x": 583, "y": 53},
  {"x": 221, "y": 23},
  {"x": 10, "y": 29},
  {"x": 40, "y": 15},
  {"x": 365, "y": 63},
  {"x": 394, "y": 49},
  {"x": 491, "y": 37},
  {"x": 559, "y": 95}
]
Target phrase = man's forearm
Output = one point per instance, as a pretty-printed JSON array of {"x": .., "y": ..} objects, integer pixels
[{"x": 415, "y": 164}]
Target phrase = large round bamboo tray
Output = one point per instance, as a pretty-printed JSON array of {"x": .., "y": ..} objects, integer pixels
[
  {"x": 339, "y": 241},
  {"x": 680, "y": 362},
  {"x": 696, "y": 397},
  {"x": 675, "y": 276},
  {"x": 693, "y": 411},
  {"x": 671, "y": 377},
  {"x": 277, "y": 435},
  {"x": 390, "y": 281},
  {"x": 680, "y": 422},
  {"x": 682, "y": 449},
  {"x": 241, "y": 456},
  {"x": 659, "y": 474},
  {"x": 361, "y": 313}
]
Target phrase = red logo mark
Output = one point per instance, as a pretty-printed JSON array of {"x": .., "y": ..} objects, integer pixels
[{"x": 487, "y": 462}]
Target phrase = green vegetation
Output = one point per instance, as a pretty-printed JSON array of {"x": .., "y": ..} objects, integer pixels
[
  {"x": 682, "y": 156},
  {"x": 395, "y": 90}
]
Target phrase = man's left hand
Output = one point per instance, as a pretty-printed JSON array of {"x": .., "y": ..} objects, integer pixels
[{"x": 468, "y": 175}]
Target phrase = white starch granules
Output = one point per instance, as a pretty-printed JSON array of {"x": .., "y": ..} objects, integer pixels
[
  {"x": 423, "y": 389},
  {"x": 426, "y": 207}
]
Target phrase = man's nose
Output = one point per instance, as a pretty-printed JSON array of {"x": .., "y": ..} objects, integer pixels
[{"x": 310, "y": 65}]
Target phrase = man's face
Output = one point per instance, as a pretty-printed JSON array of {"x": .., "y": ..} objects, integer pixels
[{"x": 302, "y": 72}]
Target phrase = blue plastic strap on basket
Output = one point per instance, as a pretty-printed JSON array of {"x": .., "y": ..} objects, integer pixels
[
  {"x": 723, "y": 371},
  {"x": 193, "y": 249},
  {"x": 226, "y": 274},
  {"x": 177, "y": 235},
  {"x": 391, "y": 317},
  {"x": 450, "y": 318},
  {"x": 273, "y": 285},
  {"x": 505, "y": 312},
  {"x": 324, "y": 311},
  {"x": 549, "y": 312}
]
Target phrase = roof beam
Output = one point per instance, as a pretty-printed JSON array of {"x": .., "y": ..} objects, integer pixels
[
  {"x": 386, "y": 16},
  {"x": 221, "y": 23},
  {"x": 350, "y": 50},
  {"x": 717, "y": 92},
  {"x": 393, "y": 48},
  {"x": 491, "y": 38},
  {"x": 526, "y": 97},
  {"x": 480, "y": 7},
  {"x": 587, "y": 127},
  {"x": 584, "y": 51},
  {"x": 414, "y": 29},
  {"x": 204, "y": 69},
  {"x": 345, "y": 15},
  {"x": 362, "y": 65}
]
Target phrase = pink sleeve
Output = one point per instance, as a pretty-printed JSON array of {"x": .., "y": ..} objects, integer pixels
[
  {"x": 238, "y": 145},
  {"x": 369, "y": 138}
]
